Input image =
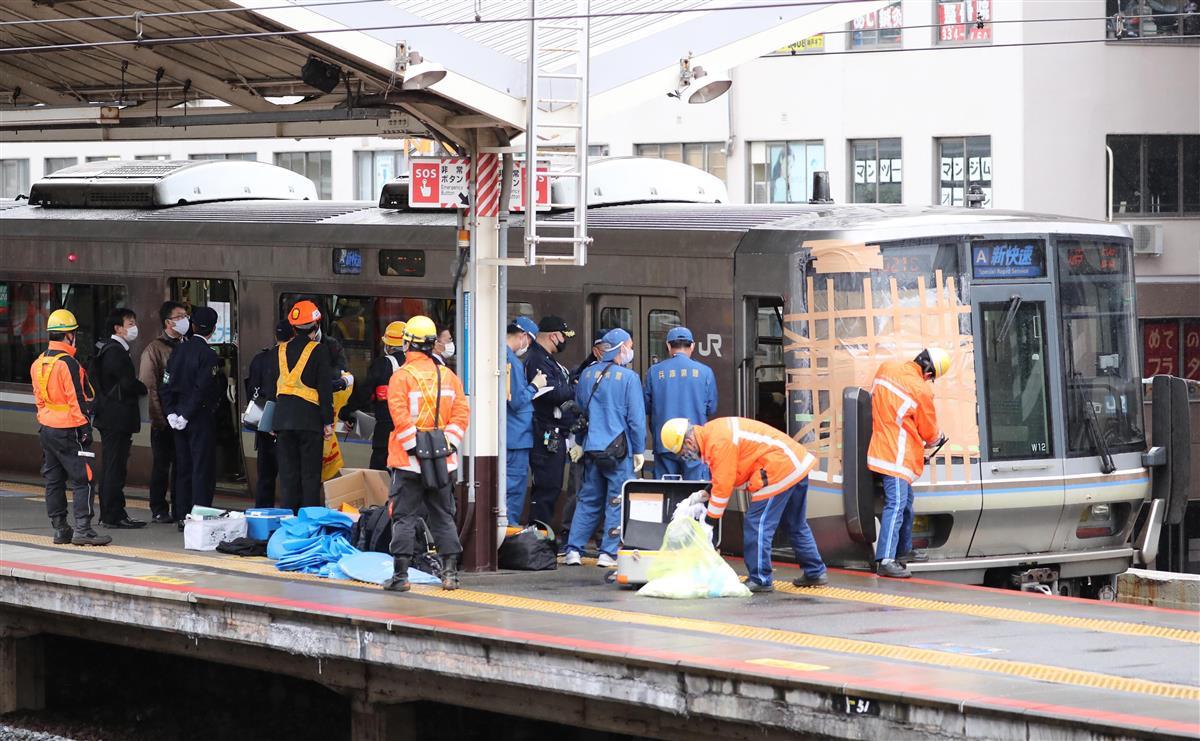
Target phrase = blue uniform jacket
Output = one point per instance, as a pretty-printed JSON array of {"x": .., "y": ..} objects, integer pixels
[
  {"x": 617, "y": 407},
  {"x": 679, "y": 387},
  {"x": 193, "y": 383},
  {"x": 520, "y": 405}
]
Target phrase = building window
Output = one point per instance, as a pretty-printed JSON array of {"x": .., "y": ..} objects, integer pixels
[
  {"x": 316, "y": 166},
  {"x": 962, "y": 163},
  {"x": 707, "y": 156},
  {"x": 875, "y": 171},
  {"x": 54, "y": 164},
  {"x": 878, "y": 29},
  {"x": 14, "y": 178},
  {"x": 373, "y": 169},
  {"x": 153, "y": 157},
  {"x": 1171, "y": 347},
  {"x": 1157, "y": 175},
  {"x": 781, "y": 172},
  {"x": 25, "y": 307},
  {"x": 959, "y": 21},
  {"x": 102, "y": 158},
  {"x": 1152, "y": 19},
  {"x": 248, "y": 156}
]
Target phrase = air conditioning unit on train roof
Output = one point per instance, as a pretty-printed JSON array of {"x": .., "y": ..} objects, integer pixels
[
  {"x": 614, "y": 180},
  {"x": 159, "y": 183}
]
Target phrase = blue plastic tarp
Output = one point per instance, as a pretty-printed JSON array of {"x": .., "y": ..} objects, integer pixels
[{"x": 312, "y": 542}]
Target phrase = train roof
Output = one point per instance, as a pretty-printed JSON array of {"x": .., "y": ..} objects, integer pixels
[{"x": 896, "y": 221}]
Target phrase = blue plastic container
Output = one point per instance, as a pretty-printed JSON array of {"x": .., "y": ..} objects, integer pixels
[{"x": 260, "y": 523}]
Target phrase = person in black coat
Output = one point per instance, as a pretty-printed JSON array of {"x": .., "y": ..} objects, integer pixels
[
  {"x": 372, "y": 394},
  {"x": 303, "y": 396},
  {"x": 548, "y": 457},
  {"x": 191, "y": 396},
  {"x": 262, "y": 376},
  {"x": 117, "y": 416}
]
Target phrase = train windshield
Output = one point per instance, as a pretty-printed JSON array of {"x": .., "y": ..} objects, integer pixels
[{"x": 1099, "y": 334}]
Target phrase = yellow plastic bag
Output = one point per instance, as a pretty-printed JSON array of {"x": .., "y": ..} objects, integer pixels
[
  {"x": 689, "y": 567},
  {"x": 331, "y": 453}
]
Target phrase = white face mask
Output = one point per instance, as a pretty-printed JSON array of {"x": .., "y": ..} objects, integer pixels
[
  {"x": 522, "y": 350},
  {"x": 182, "y": 325},
  {"x": 449, "y": 351},
  {"x": 626, "y": 356},
  {"x": 318, "y": 335},
  {"x": 131, "y": 333}
]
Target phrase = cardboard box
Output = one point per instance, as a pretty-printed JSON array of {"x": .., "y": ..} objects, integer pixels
[{"x": 358, "y": 487}]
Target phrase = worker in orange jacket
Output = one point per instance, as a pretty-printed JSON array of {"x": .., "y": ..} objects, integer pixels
[
  {"x": 63, "y": 397},
  {"x": 774, "y": 469},
  {"x": 430, "y": 414},
  {"x": 903, "y": 425}
]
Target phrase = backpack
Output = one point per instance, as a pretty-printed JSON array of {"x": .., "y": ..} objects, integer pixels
[
  {"x": 94, "y": 375},
  {"x": 373, "y": 531}
]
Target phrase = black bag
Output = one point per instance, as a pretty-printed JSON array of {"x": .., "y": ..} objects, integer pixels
[
  {"x": 373, "y": 531},
  {"x": 609, "y": 459},
  {"x": 432, "y": 449},
  {"x": 95, "y": 375},
  {"x": 532, "y": 549}
]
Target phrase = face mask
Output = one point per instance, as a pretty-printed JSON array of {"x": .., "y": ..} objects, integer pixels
[
  {"x": 521, "y": 352},
  {"x": 131, "y": 334},
  {"x": 182, "y": 325},
  {"x": 449, "y": 351},
  {"x": 317, "y": 336},
  {"x": 626, "y": 357},
  {"x": 560, "y": 345}
]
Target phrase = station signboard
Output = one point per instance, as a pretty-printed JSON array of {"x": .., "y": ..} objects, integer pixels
[
  {"x": 1008, "y": 259},
  {"x": 443, "y": 182}
]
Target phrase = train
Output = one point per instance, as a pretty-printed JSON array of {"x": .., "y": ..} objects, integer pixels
[{"x": 1047, "y": 481}]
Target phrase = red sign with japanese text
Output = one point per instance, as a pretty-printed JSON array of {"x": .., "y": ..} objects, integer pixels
[
  {"x": 960, "y": 20},
  {"x": 1160, "y": 347},
  {"x": 1191, "y": 350}
]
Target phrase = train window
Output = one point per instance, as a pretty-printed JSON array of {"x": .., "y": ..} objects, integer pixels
[
  {"x": 1014, "y": 352},
  {"x": 402, "y": 263},
  {"x": 612, "y": 317},
  {"x": 358, "y": 322},
  {"x": 768, "y": 400},
  {"x": 25, "y": 307},
  {"x": 520, "y": 308},
  {"x": 217, "y": 294},
  {"x": 1100, "y": 346},
  {"x": 660, "y": 321}
]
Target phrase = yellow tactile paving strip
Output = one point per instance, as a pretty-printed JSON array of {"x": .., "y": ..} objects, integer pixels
[{"x": 1026, "y": 670}]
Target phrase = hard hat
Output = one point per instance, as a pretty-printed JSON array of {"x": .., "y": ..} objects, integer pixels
[
  {"x": 303, "y": 312},
  {"x": 420, "y": 329},
  {"x": 672, "y": 434},
  {"x": 393, "y": 336},
  {"x": 61, "y": 320},
  {"x": 939, "y": 361}
]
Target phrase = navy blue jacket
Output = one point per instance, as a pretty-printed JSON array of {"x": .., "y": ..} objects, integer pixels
[
  {"x": 193, "y": 384},
  {"x": 557, "y": 390}
]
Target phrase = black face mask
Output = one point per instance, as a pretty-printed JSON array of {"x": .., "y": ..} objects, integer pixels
[{"x": 560, "y": 346}]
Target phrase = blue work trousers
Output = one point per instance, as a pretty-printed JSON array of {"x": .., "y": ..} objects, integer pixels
[
  {"x": 599, "y": 493},
  {"x": 895, "y": 531},
  {"x": 666, "y": 464},
  {"x": 763, "y": 519},
  {"x": 516, "y": 476}
]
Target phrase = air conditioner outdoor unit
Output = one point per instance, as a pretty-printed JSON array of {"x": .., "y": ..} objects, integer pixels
[{"x": 1147, "y": 239}]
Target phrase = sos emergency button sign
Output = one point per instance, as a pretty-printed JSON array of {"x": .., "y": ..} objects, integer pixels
[{"x": 439, "y": 182}]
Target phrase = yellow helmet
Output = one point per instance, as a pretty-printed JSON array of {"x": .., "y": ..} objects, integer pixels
[
  {"x": 61, "y": 320},
  {"x": 939, "y": 361},
  {"x": 393, "y": 336},
  {"x": 672, "y": 434},
  {"x": 420, "y": 329}
]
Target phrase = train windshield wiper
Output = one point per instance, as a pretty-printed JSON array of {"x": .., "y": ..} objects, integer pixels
[
  {"x": 1093, "y": 425},
  {"x": 1009, "y": 317}
]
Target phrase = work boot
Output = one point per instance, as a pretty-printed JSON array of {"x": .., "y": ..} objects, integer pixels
[
  {"x": 88, "y": 536},
  {"x": 63, "y": 534},
  {"x": 892, "y": 570},
  {"x": 450, "y": 572},
  {"x": 805, "y": 581},
  {"x": 913, "y": 556},
  {"x": 399, "y": 580}
]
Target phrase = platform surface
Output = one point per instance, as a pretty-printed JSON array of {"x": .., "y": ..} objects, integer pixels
[{"x": 1126, "y": 668}]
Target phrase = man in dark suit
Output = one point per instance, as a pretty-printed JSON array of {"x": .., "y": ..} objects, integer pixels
[
  {"x": 117, "y": 414},
  {"x": 260, "y": 378},
  {"x": 190, "y": 399},
  {"x": 548, "y": 457}
]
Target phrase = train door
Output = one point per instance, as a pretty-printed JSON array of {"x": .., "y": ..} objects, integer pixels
[
  {"x": 646, "y": 318},
  {"x": 1021, "y": 470},
  {"x": 220, "y": 294},
  {"x": 763, "y": 377}
]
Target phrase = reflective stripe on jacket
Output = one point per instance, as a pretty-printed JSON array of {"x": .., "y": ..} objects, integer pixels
[
  {"x": 746, "y": 452},
  {"x": 58, "y": 382},
  {"x": 289, "y": 383},
  {"x": 903, "y": 420},
  {"x": 412, "y": 394}
]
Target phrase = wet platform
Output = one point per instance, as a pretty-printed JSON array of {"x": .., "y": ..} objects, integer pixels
[{"x": 861, "y": 658}]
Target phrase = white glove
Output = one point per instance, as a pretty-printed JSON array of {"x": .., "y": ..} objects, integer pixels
[
  {"x": 539, "y": 381},
  {"x": 698, "y": 497},
  {"x": 639, "y": 460},
  {"x": 685, "y": 509},
  {"x": 698, "y": 511},
  {"x": 172, "y": 420},
  {"x": 349, "y": 379},
  {"x": 575, "y": 453},
  {"x": 180, "y": 422}
]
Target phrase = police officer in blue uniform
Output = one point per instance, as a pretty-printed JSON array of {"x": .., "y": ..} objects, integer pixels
[
  {"x": 679, "y": 387},
  {"x": 548, "y": 456},
  {"x": 518, "y": 427},
  {"x": 610, "y": 395},
  {"x": 190, "y": 399}
]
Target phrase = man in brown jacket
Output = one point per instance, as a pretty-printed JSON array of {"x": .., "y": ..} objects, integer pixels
[{"x": 174, "y": 319}]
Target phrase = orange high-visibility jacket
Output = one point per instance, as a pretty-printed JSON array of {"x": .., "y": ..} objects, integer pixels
[
  {"x": 903, "y": 420},
  {"x": 745, "y": 452},
  {"x": 61, "y": 389},
  {"x": 412, "y": 393}
]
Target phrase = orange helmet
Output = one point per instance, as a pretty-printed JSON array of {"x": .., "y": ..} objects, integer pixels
[{"x": 302, "y": 313}]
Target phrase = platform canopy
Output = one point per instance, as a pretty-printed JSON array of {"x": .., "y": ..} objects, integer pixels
[{"x": 237, "y": 63}]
